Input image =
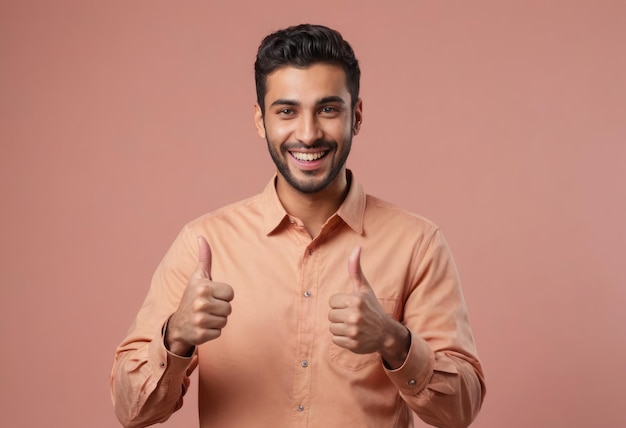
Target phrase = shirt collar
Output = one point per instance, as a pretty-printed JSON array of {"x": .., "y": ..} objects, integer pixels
[{"x": 351, "y": 210}]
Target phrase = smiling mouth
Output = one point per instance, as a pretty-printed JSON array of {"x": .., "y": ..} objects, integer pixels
[{"x": 308, "y": 157}]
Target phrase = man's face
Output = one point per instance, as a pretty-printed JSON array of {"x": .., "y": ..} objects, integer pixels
[{"x": 308, "y": 124}]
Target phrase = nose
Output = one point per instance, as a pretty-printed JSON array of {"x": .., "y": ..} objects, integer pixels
[{"x": 308, "y": 129}]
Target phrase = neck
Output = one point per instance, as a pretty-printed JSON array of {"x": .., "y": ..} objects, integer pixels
[{"x": 316, "y": 208}]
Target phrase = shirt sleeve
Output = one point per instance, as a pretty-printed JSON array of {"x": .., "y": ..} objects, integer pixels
[
  {"x": 441, "y": 379},
  {"x": 147, "y": 381}
]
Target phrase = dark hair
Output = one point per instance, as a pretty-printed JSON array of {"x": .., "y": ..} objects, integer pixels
[{"x": 302, "y": 46}]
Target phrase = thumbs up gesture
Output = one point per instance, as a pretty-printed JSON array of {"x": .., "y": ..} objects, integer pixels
[
  {"x": 359, "y": 323},
  {"x": 203, "y": 309}
]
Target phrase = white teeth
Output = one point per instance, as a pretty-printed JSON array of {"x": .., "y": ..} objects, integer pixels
[{"x": 307, "y": 156}]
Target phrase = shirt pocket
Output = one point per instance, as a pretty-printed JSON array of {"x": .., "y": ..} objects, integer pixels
[{"x": 347, "y": 359}]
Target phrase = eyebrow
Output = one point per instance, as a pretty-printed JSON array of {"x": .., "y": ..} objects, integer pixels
[{"x": 325, "y": 100}]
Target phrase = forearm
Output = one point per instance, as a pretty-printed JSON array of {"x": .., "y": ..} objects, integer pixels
[
  {"x": 442, "y": 379},
  {"x": 450, "y": 399},
  {"x": 148, "y": 383},
  {"x": 444, "y": 389}
]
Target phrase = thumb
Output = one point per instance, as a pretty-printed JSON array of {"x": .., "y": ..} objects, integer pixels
[
  {"x": 355, "y": 271},
  {"x": 204, "y": 258}
]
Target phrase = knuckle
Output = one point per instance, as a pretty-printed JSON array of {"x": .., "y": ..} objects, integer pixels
[
  {"x": 198, "y": 319},
  {"x": 353, "y": 332},
  {"x": 354, "y": 318},
  {"x": 355, "y": 298},
  {"x": 199, "y": 305}
]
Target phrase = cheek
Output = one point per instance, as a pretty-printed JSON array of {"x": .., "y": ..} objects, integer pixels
[
  {"x": 277, "y": 132},
  {"x": 340, "y": 132}
]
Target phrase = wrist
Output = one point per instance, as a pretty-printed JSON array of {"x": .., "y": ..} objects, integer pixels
[
  {"x": 173, "y": 344},
  {"x": 396, "y": 345}
]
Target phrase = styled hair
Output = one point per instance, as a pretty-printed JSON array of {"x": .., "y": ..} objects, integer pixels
[{"x": 302, "y": 46}]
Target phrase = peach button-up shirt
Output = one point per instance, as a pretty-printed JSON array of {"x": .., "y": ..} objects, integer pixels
[{"x": 275, "y": 364}]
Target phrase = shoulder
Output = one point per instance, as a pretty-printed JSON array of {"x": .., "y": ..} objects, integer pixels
[
  {"x": 405, "y": 232},
  {"x": 386, "y": 224},
  {"x": 245, "y": 211},
  {"x": 378, "y": 210}
]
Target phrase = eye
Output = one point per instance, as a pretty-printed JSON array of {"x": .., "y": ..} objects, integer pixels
[
  {"x": 329, "y": 110},
  {"x": 285, "y": 111}
]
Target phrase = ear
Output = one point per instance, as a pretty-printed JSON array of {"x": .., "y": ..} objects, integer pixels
[
  {"x": 358, "y": 116},
  {"x": 258, "y": 120}
]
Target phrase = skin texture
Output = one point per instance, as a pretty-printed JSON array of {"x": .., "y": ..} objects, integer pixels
[{"x": 308, "y": 115}]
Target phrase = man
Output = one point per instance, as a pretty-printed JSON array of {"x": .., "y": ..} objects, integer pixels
[{"x": 311, "y": 304}]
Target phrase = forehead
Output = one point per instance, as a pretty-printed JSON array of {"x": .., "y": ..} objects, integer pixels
[{"x": 305, "y": 84}]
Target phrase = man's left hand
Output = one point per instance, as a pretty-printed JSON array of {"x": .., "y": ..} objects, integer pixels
[{"x": 359, "y": 323}]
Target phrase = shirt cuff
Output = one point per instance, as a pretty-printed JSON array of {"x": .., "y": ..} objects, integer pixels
[
  {"x": 416, "y": 371},
  {"x": 163, "y": 361}
]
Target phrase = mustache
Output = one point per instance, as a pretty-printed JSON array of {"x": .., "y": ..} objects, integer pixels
[{"x": 317, "y": 145}]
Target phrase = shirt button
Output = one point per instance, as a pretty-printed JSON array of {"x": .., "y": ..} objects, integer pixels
[
  {"x": 311, "y": 251},
  {"x": 300, "y": 408},
  {"x": 304, "y": 363},
  {"x": 291, "y": 220},
  {"x": 162, "y": 364},
  {"x": 307, "y": 293},
  {"x": 412, "y": 383}
]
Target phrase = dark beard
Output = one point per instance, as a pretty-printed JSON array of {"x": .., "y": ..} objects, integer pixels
[{"x": 311, "y": 186}]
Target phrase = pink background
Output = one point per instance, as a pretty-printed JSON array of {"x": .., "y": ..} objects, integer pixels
[{"x": 502, "y": 121}]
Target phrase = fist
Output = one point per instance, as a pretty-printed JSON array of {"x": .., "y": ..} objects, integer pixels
[
  {"x": 357, "y": 321},
  {"x": 203, "y": 310}
]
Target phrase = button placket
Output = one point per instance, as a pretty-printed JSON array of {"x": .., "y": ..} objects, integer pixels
[{"x": 307, "y": 322}]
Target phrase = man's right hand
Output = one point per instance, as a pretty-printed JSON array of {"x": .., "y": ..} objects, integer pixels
[{"x": 203, "y": 309}]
